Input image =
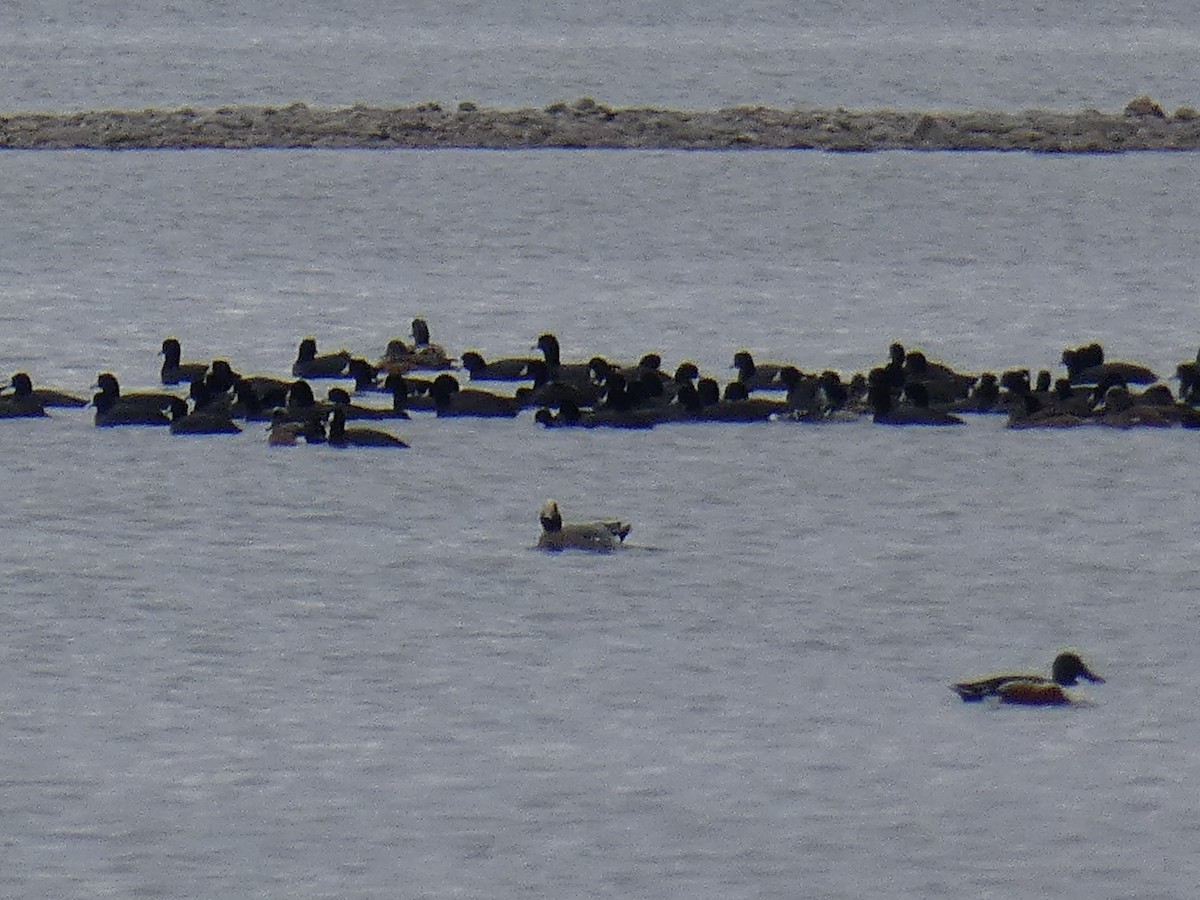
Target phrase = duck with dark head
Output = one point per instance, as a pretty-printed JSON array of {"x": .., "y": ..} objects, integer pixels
[
  {"x": 341, "y": 436},
  {"x": 23, "y": 403},
  {"x": 174, "y": 370},
  {"x": 1031, "y": 688},
  {"x": 450, "y": 399},
  {"x": 309, "y": 365},
  {"x": 22, "y": 387},
  {"x": 115, "y": 408},
  {"x": 597, "y": 537}
]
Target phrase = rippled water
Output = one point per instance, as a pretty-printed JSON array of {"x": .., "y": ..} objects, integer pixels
[
  {"x": 941, "y": 54},
  {"x": 231, "y": 670},
  {"x": 227, "y": 669}
]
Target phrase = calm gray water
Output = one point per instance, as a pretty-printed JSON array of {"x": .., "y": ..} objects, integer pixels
[
  {"x": 227, "y": 669},
  {"x": 1010, "y": 54},
  {"x": 233, "y": 670}
]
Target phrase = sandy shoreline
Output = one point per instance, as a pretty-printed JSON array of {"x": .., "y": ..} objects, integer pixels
[{"x": 1142, "y": 125}]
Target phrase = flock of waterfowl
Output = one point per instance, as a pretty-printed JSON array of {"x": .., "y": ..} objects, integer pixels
[{"x": 420, "y": 376}]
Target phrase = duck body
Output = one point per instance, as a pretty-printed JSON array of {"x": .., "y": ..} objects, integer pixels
[
  {"x": 597, "y": 537},
  {"x": 1028, "y": 688}
]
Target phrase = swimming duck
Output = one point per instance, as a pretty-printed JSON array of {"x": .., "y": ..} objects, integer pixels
[
  {"x": 428, "y": 354},
  {"x": 173, "y": 370},
  {"x": 601, "y": 537},
  {"x": 365, "y": 375},
  {"x": 984, "y": 397},
  {"x": 943, "y": 383},
  {"x": 887, "y": 412},
  {"x": 340, "y": 397},
  {"x": 451, "y": 400},
  {"x": 550, "y": 391},
  {"x": 760, "y": 376},
  {"x": 579, "y": 374},
  {"x": 199, "y": 421},
  {"x": 23, "y": 404},
  {"x": 283, "y": 432},
  {"x": 399, "y": 357},
  {"x": 22, "y": 387},
  {"x": 221, "y": 378},
  {"x": 309, "y": 365},
  {"x": 1030, "y": 689},
  {"x": 115, "y": 408},
  {"x": 1155, "y": 407},
  {"x": 510, "y": 369},
  {"x": 704, "y": 403},
  {"x": 1087, "y": 365},
  {"x": 407, "y": 393},
  {"x": 341, "y": 436},
  {"x": 253, "y": 406},
  {"x": 569, "y": 416}
]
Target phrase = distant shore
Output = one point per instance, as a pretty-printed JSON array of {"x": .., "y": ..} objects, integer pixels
[{"x": 586, "y": 124}]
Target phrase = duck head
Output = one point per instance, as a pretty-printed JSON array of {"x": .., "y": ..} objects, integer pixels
[
  {"x": 307, "y": 351},
  {"x": 548, "y": 344},
  {"x": 420, "y": 332},
  {"x": 22, "y": 385},
  {"x": 1068, "y": 668},
  {"x": 108, "y": 384},
  {"x": 550, "y": 516}
]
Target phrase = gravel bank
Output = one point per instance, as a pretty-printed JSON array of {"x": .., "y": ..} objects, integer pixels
[{"x": 1142, "y": 125}]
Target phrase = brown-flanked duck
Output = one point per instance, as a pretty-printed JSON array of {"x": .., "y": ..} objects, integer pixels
[{"x": 1028, "y": 688}]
